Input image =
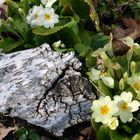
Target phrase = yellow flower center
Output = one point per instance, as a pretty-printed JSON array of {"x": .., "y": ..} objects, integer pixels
[
  {"x": 136, "y": 86},
  {"x": 124, "y": 106},
  {"x": 47, "y": 17},
  {"x": 104, "y": 110}
]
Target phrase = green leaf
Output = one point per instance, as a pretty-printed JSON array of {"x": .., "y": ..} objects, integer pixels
[
  {"x": 85, "y": 37},
  {"x": 135, "y": 6},
  {"x": 11, "y": 46},
  {"x": 90, "y": 60},
  {"x": 103, "y": 133},
  {"x": 73, "y": 25},
  {"x": 114, "y": 135},
  {"x": 105, "y": 91},
  {"x": 33, "y": 136},
  {"x": 43, "y": 31},
  {"x": 22, "y": 133},
  {"x": 127, "y": 128},
  {"x": 66, "y": 22},
  {"x": 99, "y": 40},
  {"x": 8, "y": 44},
  {"x": 81, "y": 49},
  {"x": 136, "y": 137},
  {"x": 81, "y": 8},
  {"x": 93, "y": 14}
]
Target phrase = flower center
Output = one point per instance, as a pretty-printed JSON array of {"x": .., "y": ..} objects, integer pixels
[
  {"x": 124, "y": 106},
  {"x": 136, "y": 86},
  {"x": 47, "y": 17},
  {"x": 104, "y": 110},
  {"x": 35, "y": 16}
]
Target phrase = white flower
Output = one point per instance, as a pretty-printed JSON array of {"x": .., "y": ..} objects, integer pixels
[
  {"x": 108, "y": 81},
  {"x": 48, "y": 18},
  {"x": 126, "y": 106},
  {"x": 134, "y": 82},
  {"x": 95, "y": 74},
  {"x": 103, "y": 109},
  {"x": 2, "y": 2},
  {"x": 48, "y": 3},
  {"x": 33, "y": 16},
  {"x": 113, "y": 123}
]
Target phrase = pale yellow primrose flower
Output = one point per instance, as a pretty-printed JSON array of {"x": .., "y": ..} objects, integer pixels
[
  {"x": 33, "y": 16},
  {"x": 48, "y": 3},
  {"x": 126, "y": 106},
  {"x": 96, "y": 75},
  {"x": 130, "y": 42},
  {"x": 48, "y": 18},
  {"x": 2, "y": 2},
  {"x": 103, "y": 109},
  {"x": 134, "y": 82},
  {"x": 108, "y": 81},
  {"x": 113, "y": 123}
]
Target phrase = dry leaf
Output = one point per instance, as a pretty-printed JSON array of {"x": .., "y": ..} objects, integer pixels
[
  {"x": 4, "y": 131},
  {"x": 119, "y": 48},
  {"x": 85, "y": 134},
  {"x": 134, "y": 25},
  {"x": 132, "y": 30}
]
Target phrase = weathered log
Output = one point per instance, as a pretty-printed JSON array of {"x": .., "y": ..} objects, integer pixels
[{"x": 44, "y": 88}]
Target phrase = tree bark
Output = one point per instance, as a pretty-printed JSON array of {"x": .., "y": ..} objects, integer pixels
[{"x": 44, "y": 88}]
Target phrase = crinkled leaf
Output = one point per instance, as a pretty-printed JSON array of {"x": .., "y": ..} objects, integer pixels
[
  {"x": 85, "y": 37},
  {"x": 99, "y": 41},
  {"x": 81, "y": 49}
]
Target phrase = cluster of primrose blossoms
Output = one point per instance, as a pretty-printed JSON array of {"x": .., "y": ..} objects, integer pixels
[
  {"x": 42, "y": 15},
  {"x": 107, "y": 111}
]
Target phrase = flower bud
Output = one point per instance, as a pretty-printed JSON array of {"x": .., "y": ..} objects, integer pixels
[
  {"x": 63, "y": 45},
  {"x": 121, "y": 84},
  {"x": 21, "y": 12},
  {"x": 108, "y": 81},
  {"x": 57, "y": 44},
  {"x": 125, "y": 76},
  {"x": 133, "y": 67},
  {"x": 10, "y": 20},
  {"x": 113, "y": 123}
]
